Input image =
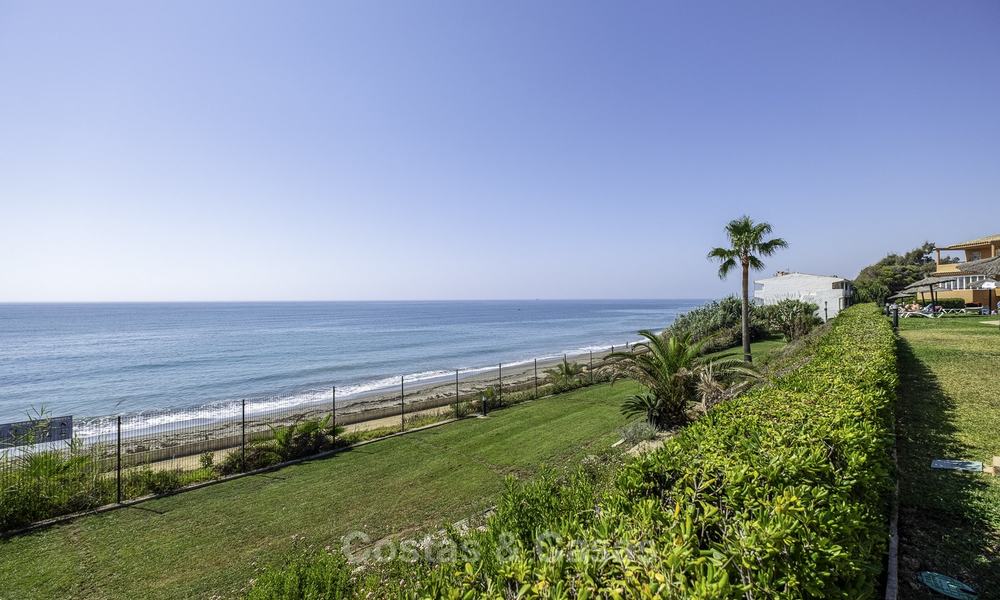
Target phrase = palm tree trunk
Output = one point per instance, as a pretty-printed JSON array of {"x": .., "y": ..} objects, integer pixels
[{"x": 746, "y": 314}]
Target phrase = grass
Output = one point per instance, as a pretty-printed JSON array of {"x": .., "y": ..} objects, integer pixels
[
  {"x": 949, "y": 407},
  {"x": 761, "y": 350},
  {"x": 211, "y": 542}
]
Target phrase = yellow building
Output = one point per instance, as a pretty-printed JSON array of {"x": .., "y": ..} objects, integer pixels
[{"x": 985, "y": 247}]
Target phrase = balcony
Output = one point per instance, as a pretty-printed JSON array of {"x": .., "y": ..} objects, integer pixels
[{"x": 947, "y": 268}]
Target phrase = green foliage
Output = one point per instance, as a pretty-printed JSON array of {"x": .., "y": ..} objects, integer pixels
[
  {"x": 38, "y": 485},
  {"x": 670, "y": 368},
  {"x": 145, "y": 481},
  {"x": 950, "y": 303},
  {"x": 793, "y": 318},
  {"x": 206, "y": 460},
  {"x": 320, "y": 576},
  {"x": 302, "y": 438},
  {"x": 780, "y": 493},
  {"x": 461, "y": 409},
  {"x": 894, "y": 272},
  {"x": 716, "y": 324},
  {"x": 638, "y": 431},
  {"x": 565, "y": 375}
]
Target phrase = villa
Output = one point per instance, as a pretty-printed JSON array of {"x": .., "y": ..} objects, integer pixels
[
  {"x": 977, "y": 249},
  {"x": 830, "y": 293}
]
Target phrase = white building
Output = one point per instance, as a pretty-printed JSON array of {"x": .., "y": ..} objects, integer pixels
[{"x": 831, "y": 293}]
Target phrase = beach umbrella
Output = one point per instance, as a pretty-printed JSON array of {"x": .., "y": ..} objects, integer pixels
[{"x": 926, "y": 284}]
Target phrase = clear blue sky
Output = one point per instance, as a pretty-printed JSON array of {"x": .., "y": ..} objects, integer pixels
[{"x": 511, "y": 149}]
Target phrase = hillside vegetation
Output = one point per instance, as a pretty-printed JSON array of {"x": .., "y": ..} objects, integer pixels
[{"x": 781, "y": 493}]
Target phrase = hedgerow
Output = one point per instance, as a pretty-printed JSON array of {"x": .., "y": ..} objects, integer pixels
[{"x": 781, "y": 493}]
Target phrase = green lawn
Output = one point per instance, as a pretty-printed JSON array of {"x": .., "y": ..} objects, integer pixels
[
  {"x": 949, "y": 407},
  {"x": 761, "y": 350},
  {"x": 210, "y": 542}
]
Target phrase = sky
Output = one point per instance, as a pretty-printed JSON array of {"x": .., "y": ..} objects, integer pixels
[{"x": 159, "y": 151}]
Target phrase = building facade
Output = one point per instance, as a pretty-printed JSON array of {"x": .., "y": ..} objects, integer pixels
[
  {"x": 985, "y": 247},
  {"x": 830, "y": 294}
]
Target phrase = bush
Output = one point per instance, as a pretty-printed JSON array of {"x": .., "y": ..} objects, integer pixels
[
  {"x": 43, "y": 484},
  {"x": 779, "y": 493},
  {"x": 145, "y": 481},
  {"x": 206, "y": 460},
  {"x": 312, "y": 577},
  {"x": 951, "y": 303},
  {"x": 460, "y": 409},
  {"x": 792, "y": 318},
  {"x": 638, "y": 431},
  {"x": 718, "y": 324}
]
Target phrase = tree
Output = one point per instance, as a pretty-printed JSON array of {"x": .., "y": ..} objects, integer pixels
[
  {"x": 894, "y": 272},
  {"x": 673, "y": 370},
  {"x": 746, "y": 246}
]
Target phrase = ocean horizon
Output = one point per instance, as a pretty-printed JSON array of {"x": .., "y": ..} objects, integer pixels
[{"x": 190, "y": 360}]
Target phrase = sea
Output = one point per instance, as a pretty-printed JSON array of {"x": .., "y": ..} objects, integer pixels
[{"x": 186, "y": 361}]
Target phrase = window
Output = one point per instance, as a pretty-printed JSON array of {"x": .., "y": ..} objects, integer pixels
[{"x": 838, "y": 285}]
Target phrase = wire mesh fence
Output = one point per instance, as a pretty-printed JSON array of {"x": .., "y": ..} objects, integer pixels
[{"x": 121, "y": 458}]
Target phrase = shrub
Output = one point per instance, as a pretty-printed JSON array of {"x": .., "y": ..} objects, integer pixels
[
  {"x": 460, "y": 409},
  {"x": 38, "y": 485},
  {"x": 717, "y": 324},
  {"x": 951, "y": 303},
  {"x": 311, "y": 577},
  {"x": 147, "y": 481},
  {"x": 779, "y": 493},
  {"x": 206, "y": 460},
  {"x": 638, "y": 431},
  {"x": 792, "y": 318}
]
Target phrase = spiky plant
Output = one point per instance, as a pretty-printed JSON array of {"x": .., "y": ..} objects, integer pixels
[
  {"x": 564, "y": 375},
  {"x": 670, "y": 368}
]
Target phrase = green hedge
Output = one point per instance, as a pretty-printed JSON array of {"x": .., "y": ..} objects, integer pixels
[{"x": 781, "y": 493}]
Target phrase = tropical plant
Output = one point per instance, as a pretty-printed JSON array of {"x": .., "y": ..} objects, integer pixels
[
  {"x": 793, "y": 318},
  {"x": 670, "y": 369},
  {"x": 747, "y": 244},
  {"x": 718, "y": 324},
  {"x": 565, "y": 375}
]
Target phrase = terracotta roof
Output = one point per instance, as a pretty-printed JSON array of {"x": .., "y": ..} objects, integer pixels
[{"x": 983, "y": 241}]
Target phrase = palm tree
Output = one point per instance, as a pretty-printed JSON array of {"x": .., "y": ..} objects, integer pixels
[
  {"x": 671, "y": 369},
  {"x": 746, "y": 246},
  {"x": 564, "y": 375}
]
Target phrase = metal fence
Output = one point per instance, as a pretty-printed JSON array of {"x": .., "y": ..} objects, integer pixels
[{"x": 127, "y": 457}]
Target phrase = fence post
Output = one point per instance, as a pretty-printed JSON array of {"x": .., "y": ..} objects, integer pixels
[
  {"x": 536, "y": 378},
  {"x": 333, "y": 412},
  {"x": 402, "y": 407},
  {"x": 591, "y": 367},
  {"x": 118, "y": 462},
  {"x": 456, "y": 388},
  {"x": 500, "y": 385},
  {"x": 243, "y": 434}
]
